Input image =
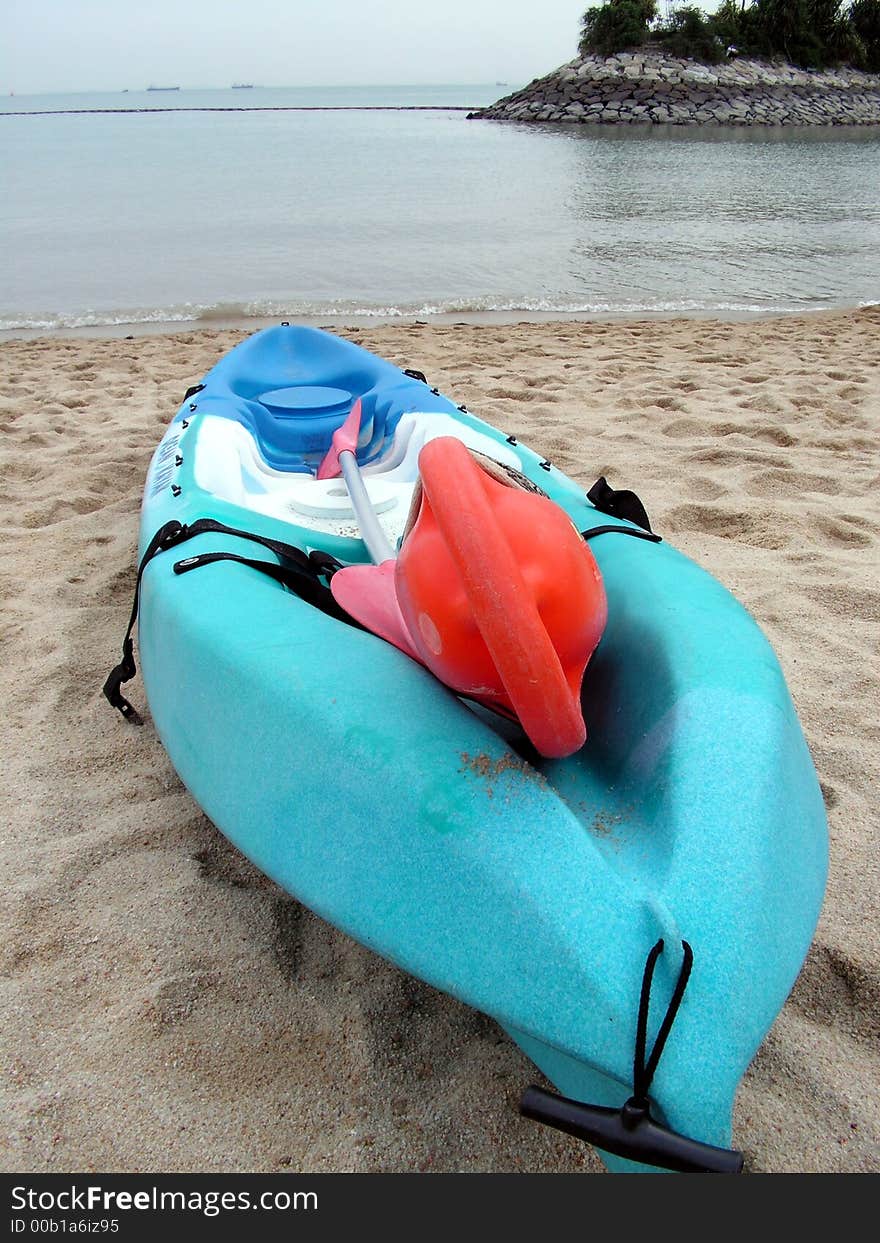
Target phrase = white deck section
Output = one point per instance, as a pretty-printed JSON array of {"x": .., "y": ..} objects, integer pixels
[{"x": 230, "y": 466}]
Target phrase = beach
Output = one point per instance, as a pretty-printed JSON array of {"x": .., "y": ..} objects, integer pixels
[{"x": 168, "y": 1008}]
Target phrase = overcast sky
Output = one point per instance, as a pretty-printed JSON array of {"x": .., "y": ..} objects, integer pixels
[
  {"x": 68, "y": 45},
  {"x": 71, "y": 45}
]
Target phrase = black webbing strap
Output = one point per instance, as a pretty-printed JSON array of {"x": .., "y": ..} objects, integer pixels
[
  {"x": 618, "y": 502},
  {"x": 288, "y": 551},
  {"x": 303, "y": 583},
  {"x": 637, "y": 532},
  {"x": 297, "y": 571},
  {"x": 166, "y": 537}
]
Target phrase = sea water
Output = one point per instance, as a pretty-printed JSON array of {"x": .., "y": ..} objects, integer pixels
[{"x": 180, "y": 206}]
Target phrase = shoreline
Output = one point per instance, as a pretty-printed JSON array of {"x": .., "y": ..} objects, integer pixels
[{"x": 245, "y": 323}]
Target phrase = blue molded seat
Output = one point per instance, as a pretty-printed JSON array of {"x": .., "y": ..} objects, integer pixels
[{"x": 293, "y": 386}]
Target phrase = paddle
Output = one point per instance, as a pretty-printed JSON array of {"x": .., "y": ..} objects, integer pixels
[
  {"x": 342, "y": 457},
  {"x": 462, "y": 599},
  {"x": 366, "y": 591}
]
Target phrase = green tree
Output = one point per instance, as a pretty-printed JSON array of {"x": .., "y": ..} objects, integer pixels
[
  {"x": 810, "y": 33},
  {"x": 689, "y": 32},
  {"x": 864, "y": 17},
  {"x": 617, "y": 25}
]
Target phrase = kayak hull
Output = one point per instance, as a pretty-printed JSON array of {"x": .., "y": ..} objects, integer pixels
[{"x": 531, "y": 890}]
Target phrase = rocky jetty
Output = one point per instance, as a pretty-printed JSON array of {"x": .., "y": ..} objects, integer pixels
[{"x": 649, "y": 87}]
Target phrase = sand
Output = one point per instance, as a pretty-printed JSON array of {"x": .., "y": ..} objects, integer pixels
[{"x": 166, "y": 1007}]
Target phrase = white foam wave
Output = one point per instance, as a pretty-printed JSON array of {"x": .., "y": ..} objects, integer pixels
[{"x": 339, "y": 309}]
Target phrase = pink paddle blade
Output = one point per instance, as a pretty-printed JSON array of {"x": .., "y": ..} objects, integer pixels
[
  {"x": 368, "y": 593},
  {"x": 345, "y": 440}
]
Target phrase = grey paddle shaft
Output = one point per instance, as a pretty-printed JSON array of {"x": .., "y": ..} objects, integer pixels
[{"x": 371, "y": 532}]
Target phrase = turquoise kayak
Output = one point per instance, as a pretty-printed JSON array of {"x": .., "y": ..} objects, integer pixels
[{"x": 633, "y": 916}]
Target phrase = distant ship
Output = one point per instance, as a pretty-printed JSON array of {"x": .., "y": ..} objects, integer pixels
[
  {"x": 163, "y": 88},
  {"x": 242, "y": 86}
]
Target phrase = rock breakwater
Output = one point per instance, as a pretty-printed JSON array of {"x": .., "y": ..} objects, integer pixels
[{"x": 645, "y": 87}]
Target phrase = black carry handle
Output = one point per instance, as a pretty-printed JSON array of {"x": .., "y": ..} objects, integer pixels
[{"x": 629, "y": 1132}]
